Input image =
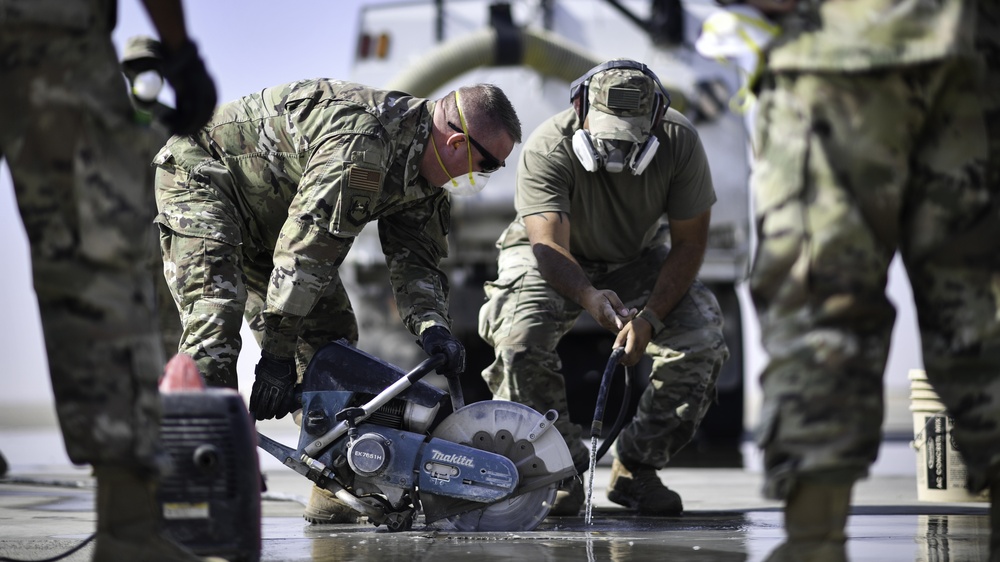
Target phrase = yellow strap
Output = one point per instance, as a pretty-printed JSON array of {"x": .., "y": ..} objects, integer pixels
[
  {"x": 465, "y": 130},
  {"x": 441, "y": 162}
]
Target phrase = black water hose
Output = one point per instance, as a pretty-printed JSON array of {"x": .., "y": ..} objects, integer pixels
[{"x": 597, "y": 426}]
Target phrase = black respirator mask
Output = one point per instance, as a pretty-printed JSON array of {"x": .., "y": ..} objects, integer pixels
[{"x": 616, "y": 155}]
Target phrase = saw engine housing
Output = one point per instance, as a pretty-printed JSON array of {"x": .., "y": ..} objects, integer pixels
[{"x": 390, "y": 446}]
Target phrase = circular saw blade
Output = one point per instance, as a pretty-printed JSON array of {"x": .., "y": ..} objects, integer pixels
[
  {"x": 520, "y": 513},
  {"x": 498, "y": 426}
]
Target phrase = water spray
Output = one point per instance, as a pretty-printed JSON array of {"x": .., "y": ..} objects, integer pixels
[{"x": 597, "y": 426}]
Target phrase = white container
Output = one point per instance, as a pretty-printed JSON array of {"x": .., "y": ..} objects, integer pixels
[{"x": 941, "y": 471}]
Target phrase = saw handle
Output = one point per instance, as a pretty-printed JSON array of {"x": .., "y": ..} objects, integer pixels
[
  {"x": 381, "y": 399},
  {"x": 426, "y": 366},
  {"x": 454, "y": 380}
]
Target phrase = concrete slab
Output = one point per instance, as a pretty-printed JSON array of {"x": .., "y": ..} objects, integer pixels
[{"x": 47, "y": 509}]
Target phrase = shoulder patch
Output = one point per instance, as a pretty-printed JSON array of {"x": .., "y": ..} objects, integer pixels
[{"x": 359, "y": 197}]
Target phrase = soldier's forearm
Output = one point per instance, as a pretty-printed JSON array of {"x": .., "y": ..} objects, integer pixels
[
  {"x": 562, "y": 271},
  {"x": 421, "y": 295},
  {"x": 168, "y": 19},
  {"x": 676, "y": 275},
  {"x": 280, "y": 334}
]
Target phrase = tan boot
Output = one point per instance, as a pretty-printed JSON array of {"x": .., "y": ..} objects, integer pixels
[
  {"x": 129, "y": 523},
  {"x": 324, "y": 508},
  {"x": 639, "y": 488},
  {"x": 569, "y": 498},
  {"x": 815, "y": 520}
]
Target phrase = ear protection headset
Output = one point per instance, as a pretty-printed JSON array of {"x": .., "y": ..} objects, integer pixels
[{"x": 593, "y": 155}]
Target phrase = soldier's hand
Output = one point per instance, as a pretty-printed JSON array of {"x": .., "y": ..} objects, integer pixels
[
  {"x": 194, "y": 90},
  {"x": 273, "y": 387},
  {"x": 634, "y": 337},
  {"x": 607, "y": 309},
  {"x": 438, "y": 340}
]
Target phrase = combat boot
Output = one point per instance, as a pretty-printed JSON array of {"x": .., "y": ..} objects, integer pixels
[
  {"x": 324, "y": 508},
  {"x": 129, "y": 524},
  {"x": 638, "y": 487},
  {"x": 815, "y": 520},
  {"x": 569, "y": 498}
]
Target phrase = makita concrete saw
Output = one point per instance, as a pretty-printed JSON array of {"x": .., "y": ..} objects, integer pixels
[{"x": 394, "y": 447}]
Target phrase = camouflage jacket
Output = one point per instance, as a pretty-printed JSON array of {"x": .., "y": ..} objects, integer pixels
[
  {"x": 865, "y": 34},
  {"x": 309, "y": 164}
]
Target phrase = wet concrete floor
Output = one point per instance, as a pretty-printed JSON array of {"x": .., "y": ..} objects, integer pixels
[
  {"x": 705, "y": 536},
  {"x": 46, "y": 508}
]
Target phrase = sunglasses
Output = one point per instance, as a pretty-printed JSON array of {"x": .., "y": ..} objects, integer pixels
[{"x": 490, "y": 163}]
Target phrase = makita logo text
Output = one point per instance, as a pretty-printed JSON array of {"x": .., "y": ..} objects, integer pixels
[{"x": 457, "y": 459}]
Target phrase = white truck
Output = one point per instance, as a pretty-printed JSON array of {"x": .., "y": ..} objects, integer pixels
[{"x": 533, "y": 49}]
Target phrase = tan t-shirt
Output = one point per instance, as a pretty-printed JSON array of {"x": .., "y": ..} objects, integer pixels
[{"x": 613, "y": 217}]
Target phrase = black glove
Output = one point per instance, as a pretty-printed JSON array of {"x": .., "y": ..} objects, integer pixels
[
  {"x": 438, "y": 340},
  {"x": 194, "y": 91},
  {"x": 273, "y": 393}
]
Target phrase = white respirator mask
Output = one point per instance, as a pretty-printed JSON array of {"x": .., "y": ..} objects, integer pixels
[
  {"x": 468, "y": 184},
  {"x": 613, "y": 156},
  {"x": 472, "y": 182},
  {"x": 620, "y": 103}
]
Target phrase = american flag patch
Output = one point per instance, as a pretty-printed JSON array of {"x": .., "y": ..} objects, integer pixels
[
  {"x": 624, "y": 98},
  {"x": 361, "y": 178}
]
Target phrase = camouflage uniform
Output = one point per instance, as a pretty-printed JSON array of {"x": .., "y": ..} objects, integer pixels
[
  {"x": 872, "y": 139},
  {"x": 524, "y": 317},
  {"x": 67, "y": 133},
  {"x": 259, "y": 209}
]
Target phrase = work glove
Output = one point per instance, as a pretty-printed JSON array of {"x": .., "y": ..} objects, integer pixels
[
  {"x": 437, "y": 340},
  {"x": 194, "y": 90},
  {"x": 273, "y": 393}
]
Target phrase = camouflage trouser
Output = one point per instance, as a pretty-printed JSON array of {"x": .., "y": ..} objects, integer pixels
[
  {"x": 852, "y": 167},
  {"x": 66, "y": 131},
  {"x": 217, "y": 282},
  {"x": 524, "y": 318}
]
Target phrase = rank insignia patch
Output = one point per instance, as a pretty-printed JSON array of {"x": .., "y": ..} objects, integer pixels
[{"x": 358, "y": 209}]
